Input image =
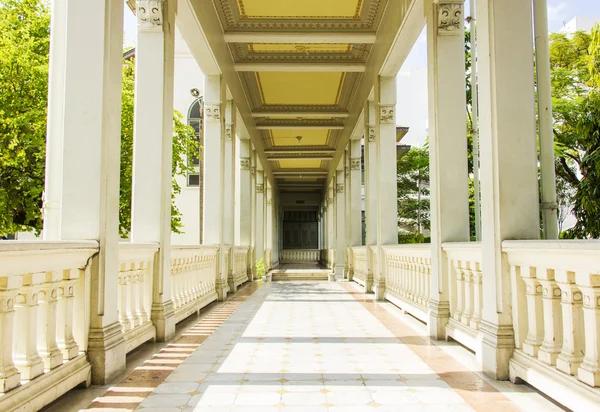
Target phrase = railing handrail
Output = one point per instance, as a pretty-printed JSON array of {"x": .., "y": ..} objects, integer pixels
[
  {"x": 461, "y": 245},
  {"x": 24, "y": 257},
  {"x": 553, "y": 245},
  {"x": 129, "y": 252}
]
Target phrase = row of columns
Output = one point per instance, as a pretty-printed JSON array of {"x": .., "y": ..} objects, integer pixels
[{"x": 81, "y": 198}]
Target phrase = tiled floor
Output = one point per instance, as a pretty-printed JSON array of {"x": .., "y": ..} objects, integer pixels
[{"x": 324, "y": 347}]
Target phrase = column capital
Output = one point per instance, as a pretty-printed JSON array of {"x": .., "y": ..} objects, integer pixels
[
  {"x": 260, "y": 188},
  {"x": 253, "y": 171},
  {"x": 340, "y": 188},
  {"x": 386, "y": 115},
  {"x": 372, "y": 133},
  {"x": 212, "y": 112},
  {"x": 355, "y": 163},
  {"x": 245, "y": 163},
  {"x": 228, "y": 131},
  {"x": 149, "y": 14},
  {"x": 449, "y": 21}
]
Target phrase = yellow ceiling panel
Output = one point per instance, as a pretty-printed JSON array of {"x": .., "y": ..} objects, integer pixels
[
  {"x": 299, "y": 48},
  {"x": 300, "y": 164},
  {"x": 300, "y": 180},
  {"x": 290, "y": 9},
  {"x": 310, "y": 137},
  {"x": 300, "y": 88}
]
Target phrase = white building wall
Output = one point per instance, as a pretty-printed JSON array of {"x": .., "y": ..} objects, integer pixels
[
  {"x": 411, "y": 106},
  {"x": 187, "y": 76}
]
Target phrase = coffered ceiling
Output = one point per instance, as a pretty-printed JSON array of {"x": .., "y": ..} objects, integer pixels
[{"x": 300, "y": 63}]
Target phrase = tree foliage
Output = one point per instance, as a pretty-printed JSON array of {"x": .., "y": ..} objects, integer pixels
[
  {"x": 24, "y": 56},
  {"x": 413, "y": 190},
  {"x": 575, "y": 63},
  {"x": 24, "y": 50}
]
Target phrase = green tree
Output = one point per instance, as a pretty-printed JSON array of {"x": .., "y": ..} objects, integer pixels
[
  {"x": 413, "y": 190},
  {"x": 576, "y": 99},
  {"x": 24, "y": 55},
  {"x": 24, "y": 50}
]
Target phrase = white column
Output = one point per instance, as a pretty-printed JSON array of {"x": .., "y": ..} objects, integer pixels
[
  {"x": 447, "y": 150},
  {"x": 214, "y": 174},
  {"x": 387, "y": 205},
  {"x": 331, "y": 242},
  {"x": 355, "y": 218},
  {"x": 340, "y": 223},
  {"x": 371, "y": 193},
  {"x": 82, "y": 164},
  {"x": 509, "y": 190},
  {"x": 269, "y": 227},
  {"x": 152, "y": 153},
  {"x": 246, "y": 201},
  {"x": 347, "y": 220},
  {"x": 229, "y": 191},
  {"x": 252, "y": 211},
  {"x": 260, "y": 214}
]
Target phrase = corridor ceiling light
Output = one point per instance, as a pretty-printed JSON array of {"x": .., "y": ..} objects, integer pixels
[{"x": 195, "y": 93}]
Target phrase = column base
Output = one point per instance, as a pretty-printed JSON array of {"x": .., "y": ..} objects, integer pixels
[
  {"x": 222, "y": 289},
  {"x": 369, "y": 283},
  {"x": 231, "y": 283},
  {"x": 163, "y": 317},
  {"x": 30, "y": 368},
  {"x": 11, "y": 378},
  {"x": 439, "y": 315},
  {"x": 379, "y": 290},
  {"x": 339, "y": 271},
  {"x": 106, "y": 353},
  {"x": 497, "y": 346},
  {"x": 589, "y": 374}
]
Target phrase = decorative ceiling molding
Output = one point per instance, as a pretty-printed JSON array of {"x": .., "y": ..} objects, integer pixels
[
  {"x": 356, "y": 53},
  {"x": 319, "y": 67},
  {"x": 261, "y": 114},
  {"x": 300, "y": 149},
  {"x": 233, "y": 17},
  {"x": 326, "y": 37}
]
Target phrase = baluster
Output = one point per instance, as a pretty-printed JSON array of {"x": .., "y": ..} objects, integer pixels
[
  {"x": 552, "y": 344},
  {"x": 66, "y": 342},
  {"x": 571, "y": 303},
  {"x": 123, "y": 279},
  {"x": 132, "y": 288},
  {"x": 535, "y": 333},
  {"x": 47, "y": 347},
  {"x": 427, "y": 282},
  {"x": 24, "y": 347},
  {"x": 405, "y": 276},
  {"x": 140, "y": 309},
  {"x": 519, "y": 305},
  {"x": 459, "y": 291},
  {"x": 589, "y": 371},
  {"x": 468, "y": 296},
  {"x": 477, "y": 291},
  {"x": 9, "y": 374},
  {"x": 422, "y": 269}
]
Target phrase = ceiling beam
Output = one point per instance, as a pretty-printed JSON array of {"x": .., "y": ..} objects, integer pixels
[
  {"x": 296, "y": 126},
  {"x": 300, "y": 38},
  {"x": 299, "y": 150},
  {"x": 292, "y": 157},
  {"x": 283, "y": 173},
  {"x": 300, "y": 67},
  {"x": 301, "y": 114}
]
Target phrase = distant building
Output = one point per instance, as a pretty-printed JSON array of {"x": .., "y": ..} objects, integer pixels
[{"x": 584, "y": 23}]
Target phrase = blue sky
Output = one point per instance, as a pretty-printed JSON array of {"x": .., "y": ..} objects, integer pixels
[{"x": 559, "y": 12}]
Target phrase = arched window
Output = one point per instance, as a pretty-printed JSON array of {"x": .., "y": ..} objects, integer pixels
[{"x": 195, "y": 119}]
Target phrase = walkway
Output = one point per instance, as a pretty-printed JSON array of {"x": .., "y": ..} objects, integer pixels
[{"x": 315, "y": 347}]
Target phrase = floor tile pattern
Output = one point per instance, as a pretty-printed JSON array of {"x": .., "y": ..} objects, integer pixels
[{"x": 318, "y": 347}]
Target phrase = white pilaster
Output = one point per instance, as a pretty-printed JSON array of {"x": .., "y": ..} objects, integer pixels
[
  {"x": 252, "y": 211},
  {"x": 371, "y": 132},
  {"x": 260, "y": 213},
  {"x": 214, "y": 174},
  {"x": 355, "y": 220},
  {"x": 447, "y": 150},
  {"x": 387, "y": 205},
  {"x": 269, "y": 226},
  {"x": 509, "y": 190},
  {"x": 331, "y": 235},
  {"x": 229, "y": 190},
  {"x": 245, "y": 208},
  {"x": 82, "y": 168},
  {"x": 348, "y": 221},
  {"x": 152, "y": 154},
  {"x": 340, "y": 223}
]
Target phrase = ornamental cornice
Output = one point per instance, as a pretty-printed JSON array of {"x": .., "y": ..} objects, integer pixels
[
  {"x": 356, "y": 53},
  {"x": 355, "y": 163},
  {"x": 297, "y": 120},
  {"x": 212, "y": 111},
  {"x": 450, "y": 17},
  {"x": 245, "y": 163},
  {"x": 386, "y": 113},
  {"x": 149, "y": 14}
]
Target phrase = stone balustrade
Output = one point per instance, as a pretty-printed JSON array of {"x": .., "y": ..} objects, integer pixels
[
  {"x": 134, "y": 300},
  {"x": 241, "y": 261},
  {"x": 360, "y": 265},
  {"x": 555, "y": 289},
  {"x": 407, "y": 273},
  {"x": 43, "y": 322},
  {"x": 300, "y": 255},
  {"x": 465, "y": 291},
  {"x": 194, "y": 272}
]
